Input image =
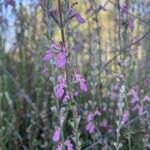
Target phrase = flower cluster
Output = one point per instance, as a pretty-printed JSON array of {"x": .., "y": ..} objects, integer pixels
[
  {"x": 56, "y": 138},
  {"x": 90, "y": 127},
  {"x": 125, "y": 117},
  {"x": 81, "y": 81},
  {"x": 135, "y": 101},
  {"x": 125, "y": 8},
  {"x": 69, "y": 144},
  {"x": 58, "y": 51},
  {"x": 59, "y": 87}
]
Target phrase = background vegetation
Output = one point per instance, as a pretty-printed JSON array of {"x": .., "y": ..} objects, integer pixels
[{"x": 112, "y": 52}]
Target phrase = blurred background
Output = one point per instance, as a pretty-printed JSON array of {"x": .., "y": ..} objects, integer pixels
[{"x": 110, "y": 44}]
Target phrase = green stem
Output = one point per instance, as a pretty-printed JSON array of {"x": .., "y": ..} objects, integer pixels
[{"x": 98, "y": 29}]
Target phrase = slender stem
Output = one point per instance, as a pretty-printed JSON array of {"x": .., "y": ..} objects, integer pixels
[
  {"x": 68, "y": 74},
  {"x": 98, "y": 28}
]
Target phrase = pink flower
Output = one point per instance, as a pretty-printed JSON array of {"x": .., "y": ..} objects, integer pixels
[
  {"x": 60, "y": 59},
  {"x": 90, "y": 127},
  {"x": 47, "y": 56},
  {"x": 136, "y": 107},
  {"x": 69, "y": 145},
  {"x": 146, "y": 98},
  {"x": 57, "y": 47},
  {"x": 61, "y": 80},
  {"x": 131, "y": 23},
  {"x": 134, "y": 96},
  {"x": 125, "y": 8},
  {"x": 66, "y": 98},
  {"x": 44, "y": 70},
  {"x": 114, "y": 96},
  {"x": 79, "y": 18},
  {"x": 148, "y": 146},
  {"x": 60, "y": 146},
  {"x": 83, "y": 86},
  {"x": 59, "y": 91},
  {"x": 76, "y": 93},
  {"x": 141, "y": 111},
  {"x": 56, "y": 135},
  {"x": 104, "y": 123},
  {"x": 59, "y": 87},
  {"x": 116, "y": 86},
  {"x": 90, "y": 116},
  {"x": 82, "y": 82},
  {"x": 125, "y": 116},
  {"x": 132, "y": 92},
  {"x": 134, "y": 99}
]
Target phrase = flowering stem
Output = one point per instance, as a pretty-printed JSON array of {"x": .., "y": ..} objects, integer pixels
[
  {"x": 64, "y": 44},
  {"x": 68, "y": 75}
]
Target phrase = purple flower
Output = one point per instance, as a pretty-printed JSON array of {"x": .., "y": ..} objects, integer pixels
[
  {"x": 79, "y": 18},
  {"x": 47, "y": 56},
  {"x": 104, "y": 123},
  {"x": 136, "y": 107},
  {"x": 149, "y": 125},
  {"x": 146, "y": 98},
  {"x": 76, "y": 93},
  {"x": 56, "y": 135},
  {"x": 131, "y": 23},
  {"x": 114, "y": 96},
  {"x": 125, "y": 8},
  {"x": 66, "y": 98},
  {"x": 59, "y": 91},
  {"x": 9, "y": 2},
  {"x": 141, "y": 111},
  {"x": 134, "y": 99},
  {"x": 44, "y": 70},
  {"x": 83, "y": 86},
  {"x": 82, "y": 82},
  {"x": 90, "y": 117},
  {"x": 116, "y": 86},
  {"x": 57, "y": 48},
  {"x": 60, "y": 146},
  {"x": 132, "y": 92},
  {"x": 148, "y": 146},
  {"x": 134, "y": 96},
  {"x": 69, "y": 145},
  {"x": 90, "y": 127},
  {"x": 61, "y": 80},
  {"x": 125, "y": 116},
  {"x": 60, "y": 59},
  {"x": 59, "y": 87}
]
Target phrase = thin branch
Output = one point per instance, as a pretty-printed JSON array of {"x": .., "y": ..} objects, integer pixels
[
  {"x": 116, "y": 56},
  {"x": 137, "y": 17}
]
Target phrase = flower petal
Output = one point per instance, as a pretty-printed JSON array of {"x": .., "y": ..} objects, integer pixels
[
  {"x": 79, "y": 18},
  {"x": 47, "y": 56},
  {"x": 60, "y": 60}
]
